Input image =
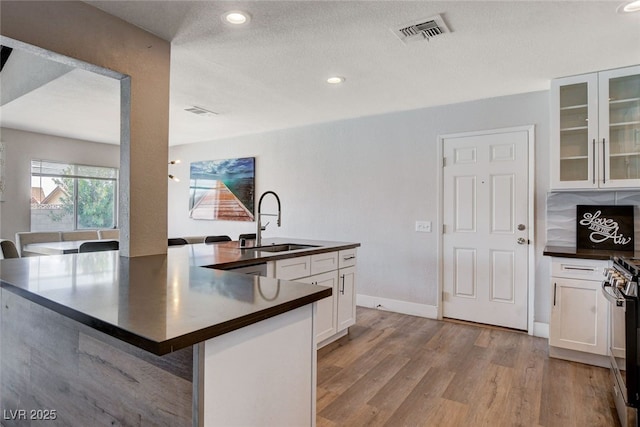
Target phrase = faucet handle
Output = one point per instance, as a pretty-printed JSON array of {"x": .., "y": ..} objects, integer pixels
[{"x": 264, "y": 227}]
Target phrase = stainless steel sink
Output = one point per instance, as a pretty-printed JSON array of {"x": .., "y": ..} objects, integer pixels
[{"x": 281, "y": 248}]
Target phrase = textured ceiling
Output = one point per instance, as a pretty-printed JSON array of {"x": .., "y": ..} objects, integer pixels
[{"x": 270, "y": 74}]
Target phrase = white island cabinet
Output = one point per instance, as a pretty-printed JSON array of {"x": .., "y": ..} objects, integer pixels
[
  {"x": 244, "y": 370},
  {"x": 579, "y": 311},
  {"x": 595, "y": 130},
  {"x": 333, "y": 269}
]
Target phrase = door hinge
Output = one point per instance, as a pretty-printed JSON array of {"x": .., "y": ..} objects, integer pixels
[
  {"x": 444, "y": 228},
  {"x": 444, "y": 161}
]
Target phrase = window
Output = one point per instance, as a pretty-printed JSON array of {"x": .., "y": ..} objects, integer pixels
[{"x": 72, "y": 197}]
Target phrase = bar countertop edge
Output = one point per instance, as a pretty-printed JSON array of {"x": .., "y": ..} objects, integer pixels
[{"x": 194, "y": 273}]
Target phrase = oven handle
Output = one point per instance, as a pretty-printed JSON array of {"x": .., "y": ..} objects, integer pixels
[{"x": 610, "y": 296}]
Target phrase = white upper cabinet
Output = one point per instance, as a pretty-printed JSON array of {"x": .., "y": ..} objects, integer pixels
[
  {"x": 595, "y": 130},
  {"x": 619, "y": 127}
]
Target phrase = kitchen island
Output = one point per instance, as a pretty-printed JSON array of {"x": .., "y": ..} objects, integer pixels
[{"x": 96, "y": 339}]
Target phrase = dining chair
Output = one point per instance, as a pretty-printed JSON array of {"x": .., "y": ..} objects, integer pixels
[
  {"x": 249, "y": 236},
  {"x": 216, "y": 239},
  {"x": 177, "y": 241},
  {"x": 24, "y": 238},
  {"x": 192, "y": 240},
  {"x": 98, "y": 246},
  {"x": 109, "y": 233},
  {"x": 79, "y": 235},
  {"x": 8, "y": 249}
]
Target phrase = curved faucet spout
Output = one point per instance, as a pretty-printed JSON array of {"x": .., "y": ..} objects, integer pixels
[{"x": 259, "y": 219}]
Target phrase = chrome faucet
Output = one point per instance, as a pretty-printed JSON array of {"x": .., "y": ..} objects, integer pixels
[{"x": 260, "y": 228}]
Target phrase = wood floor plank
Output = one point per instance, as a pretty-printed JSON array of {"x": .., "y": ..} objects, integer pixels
[
  {"x": 423, "y": 400},
  {"x": 323, "y": 398},
  {"x": 354, "y": 348},
  {"x": 363, "y": 389},
  {"x": 323, "y": 422},
  {"x": 448, "y": 413},
  {"x": 454, "y": 374},
  {"x": 593, "y": 390},
  {"x": 453, "y": 345},
  {"x": 364, "y": 416},
  {"x": 470, "y": 375},
  {"x": 484, "y": 338},
  {"x": 397, "y": 389},
  {"x": 506, "y": 347},
  {"x": 488, "y": 408},
  {"x": 526, "y": 389}
]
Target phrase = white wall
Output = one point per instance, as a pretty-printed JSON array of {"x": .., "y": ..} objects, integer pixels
[
  {"x": 22, "y": 147},
  {"x": 368, "y": 180}
]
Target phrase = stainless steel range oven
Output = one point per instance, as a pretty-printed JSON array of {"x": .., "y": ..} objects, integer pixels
[{"x": 621, "y": 290}]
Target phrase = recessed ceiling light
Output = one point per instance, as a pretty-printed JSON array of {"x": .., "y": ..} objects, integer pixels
[
  {"x": 335, "y": 80},
  {"x": 628, "y": 7},
  {"x": 236, "y": 17}
]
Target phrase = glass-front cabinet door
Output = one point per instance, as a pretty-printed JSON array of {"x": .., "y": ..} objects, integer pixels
[
  {"x": 595, "y": 130},
  {"x": 619, "y": 127},
  {"x": 574, "y": 129}
]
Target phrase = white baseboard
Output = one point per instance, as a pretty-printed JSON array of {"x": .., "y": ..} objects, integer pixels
[
  {"x": 404, "y": 307},
  {"x": 540, "y": 330},
  {"x": 423, "y": 310}
]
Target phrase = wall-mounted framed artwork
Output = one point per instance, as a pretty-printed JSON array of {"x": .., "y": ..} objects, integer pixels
[{"x": 222, "y": 189}]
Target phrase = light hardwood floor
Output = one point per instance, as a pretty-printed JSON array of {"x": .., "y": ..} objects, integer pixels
[{"x": 399, "y": 370}]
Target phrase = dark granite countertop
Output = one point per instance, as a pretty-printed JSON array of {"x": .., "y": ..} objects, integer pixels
[
  {"x": 572, "y": 252},
  {"x": 162, "y": 303},
  {"x": 228, "y": 255}
]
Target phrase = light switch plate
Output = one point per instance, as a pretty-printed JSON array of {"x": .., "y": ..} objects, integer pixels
[{"x": 423, "y": 226}]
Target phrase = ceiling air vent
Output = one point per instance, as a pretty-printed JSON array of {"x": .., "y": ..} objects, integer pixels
[
  {"x": 202, "y": 112},
  {"x": 423, "y": 29}
]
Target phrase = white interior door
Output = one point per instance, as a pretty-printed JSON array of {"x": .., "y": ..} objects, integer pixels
[{"x": 485, "y": 216}]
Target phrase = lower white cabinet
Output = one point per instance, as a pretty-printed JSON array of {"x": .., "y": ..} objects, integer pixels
[
  {"x": 579, "y": 312},
  {"x": 326, "y": 319},
  {"x": 336, "y": 270}
]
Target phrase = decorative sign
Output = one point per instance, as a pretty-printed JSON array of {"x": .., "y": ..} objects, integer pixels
[
  {"x": 222, "y": 189},
  {"x": 605, "y": 227}
]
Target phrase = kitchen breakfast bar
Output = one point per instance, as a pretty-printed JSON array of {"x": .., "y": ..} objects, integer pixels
[{"x": 175, "y": 340}]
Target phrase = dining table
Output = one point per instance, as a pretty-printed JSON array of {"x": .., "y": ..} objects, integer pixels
[{"x": 57, "y": 248}]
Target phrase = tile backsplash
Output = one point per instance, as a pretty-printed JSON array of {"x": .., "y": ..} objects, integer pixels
[{"x": 561, "y": 212}]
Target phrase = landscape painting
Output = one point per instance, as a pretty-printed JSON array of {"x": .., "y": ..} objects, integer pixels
[{"x": 222, "y": 189}]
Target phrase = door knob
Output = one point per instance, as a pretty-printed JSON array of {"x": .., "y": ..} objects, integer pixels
[
  {"x": 521, "y": 227},
  {"x": 522, "y": 240}
]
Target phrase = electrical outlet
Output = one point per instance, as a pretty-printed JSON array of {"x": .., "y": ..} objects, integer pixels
[{"x": 423, "y": 226}]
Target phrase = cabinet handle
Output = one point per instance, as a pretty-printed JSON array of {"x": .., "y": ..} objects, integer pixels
[
  {"x": 347, "y": 258},
  {"x": 594, "y": 160},
  {"x": 604, "y": 164},
  {"x": 342, "y": 289},
  {"x": 555, "y": 286},
  {"x": 579, "y": 268}
]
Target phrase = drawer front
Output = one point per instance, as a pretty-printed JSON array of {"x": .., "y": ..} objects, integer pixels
[
  {"x": 347, "y": 258},
  {"x": 293, "y": 268},
  {"x": 321, "y": 263},
  {"x": 575, "y": 268}
]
